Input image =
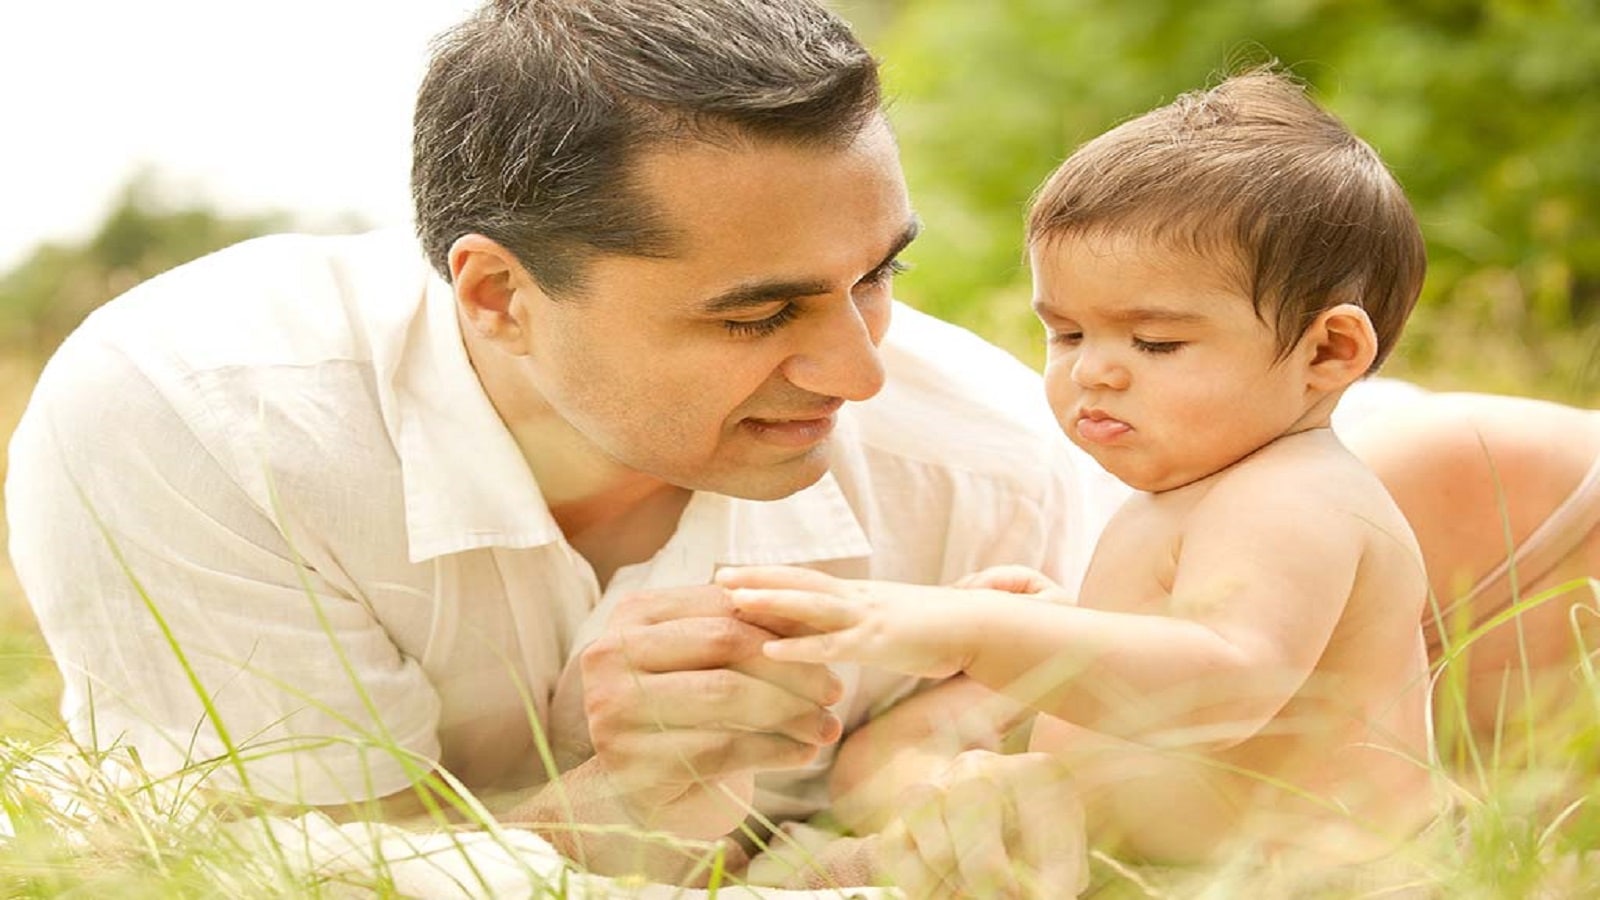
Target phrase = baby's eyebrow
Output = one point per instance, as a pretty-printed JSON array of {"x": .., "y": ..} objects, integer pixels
[
  {"x": 1130, "y": 315},
  {"x": 1162, "y": 314}
]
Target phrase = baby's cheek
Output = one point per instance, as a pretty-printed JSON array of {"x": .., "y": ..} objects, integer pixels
[{"x": 1059, "y": 389}]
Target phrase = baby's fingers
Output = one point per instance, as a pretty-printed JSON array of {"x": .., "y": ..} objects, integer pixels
[
  {"x": 815, "y": 648},
  {"x": 792, "y": 577},
  {"x": 1014, "y": 579},
  {"x": 817, "y": 612}
]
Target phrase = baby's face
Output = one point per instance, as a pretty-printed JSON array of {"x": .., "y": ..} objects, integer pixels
[{"x": 1158, "y": 366}]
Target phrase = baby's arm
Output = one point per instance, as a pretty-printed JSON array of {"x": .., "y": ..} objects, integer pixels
[
  {"x": 931, "y": 632},
  {"x": 1263, "y": 576}
]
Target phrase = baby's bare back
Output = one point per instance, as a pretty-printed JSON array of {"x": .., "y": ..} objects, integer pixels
[{"x": 1317, "y": 738}]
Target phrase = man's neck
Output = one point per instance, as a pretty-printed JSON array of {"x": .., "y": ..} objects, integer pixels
[
  {"x": 621, "y": 500},
  {"x": 612, "y": 515},
  {"x": 626, "y": 524}
]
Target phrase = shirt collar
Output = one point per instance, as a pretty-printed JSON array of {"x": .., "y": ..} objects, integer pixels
[
  {"x": 467, "y": 485},
  {"x": 810, "y": 525}
]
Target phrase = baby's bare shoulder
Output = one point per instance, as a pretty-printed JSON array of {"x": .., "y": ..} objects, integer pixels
[
  {"x": 1311, "y": 471},
  {"x": 1314, "y": 495}
]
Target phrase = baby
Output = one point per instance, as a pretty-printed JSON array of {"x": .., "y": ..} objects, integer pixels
[{"x": 1244, "y": 664}]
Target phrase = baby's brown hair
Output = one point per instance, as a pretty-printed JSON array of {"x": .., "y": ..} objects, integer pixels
[{"x": 1254, "y": 169}]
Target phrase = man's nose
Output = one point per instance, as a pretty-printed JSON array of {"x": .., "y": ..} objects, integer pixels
[{"x": 840, "y": 357}]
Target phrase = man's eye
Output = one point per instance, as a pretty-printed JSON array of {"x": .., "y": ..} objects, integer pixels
[
  {"x": 1156, "y": 347},
  {"x": 761, "y": 327},
  {"x": 885, "y": 272}
]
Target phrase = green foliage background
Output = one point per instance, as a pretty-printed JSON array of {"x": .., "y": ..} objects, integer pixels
[
  {"x": 145, "y": 233},
  {"x": 1488, "y": 110}
]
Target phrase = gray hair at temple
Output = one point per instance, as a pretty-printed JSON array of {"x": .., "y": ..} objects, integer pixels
[{"x": 533, "y": 112}]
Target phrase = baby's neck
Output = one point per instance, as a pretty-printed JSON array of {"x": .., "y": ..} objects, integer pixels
[{"x": 1311, "y": 432}]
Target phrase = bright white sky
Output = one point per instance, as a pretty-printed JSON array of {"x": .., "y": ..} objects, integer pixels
[{"x": 297, "y": 105}]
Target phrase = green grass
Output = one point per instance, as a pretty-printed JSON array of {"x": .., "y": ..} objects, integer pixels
[{"x": 1525, "y": 820}]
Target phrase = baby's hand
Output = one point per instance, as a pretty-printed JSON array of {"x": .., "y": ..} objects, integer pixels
[
  {"x": 923, "y": 631},
  {"x": 1011, "y": 579}
]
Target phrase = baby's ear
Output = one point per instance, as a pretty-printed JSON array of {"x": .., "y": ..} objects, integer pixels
[{"x": 1339, "y": 347}]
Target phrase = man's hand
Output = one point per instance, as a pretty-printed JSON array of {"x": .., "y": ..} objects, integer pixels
[
  {"x": 682, "y": 711},
  {"x": 989, "y": 826}
]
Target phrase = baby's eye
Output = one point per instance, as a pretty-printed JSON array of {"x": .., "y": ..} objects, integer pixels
[
  {"x": 1156, "y": 347},
  {"x": 1065, "y": 338}
]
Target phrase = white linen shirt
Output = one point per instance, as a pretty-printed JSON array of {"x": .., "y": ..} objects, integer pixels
[{"x": 269, "y": 484}]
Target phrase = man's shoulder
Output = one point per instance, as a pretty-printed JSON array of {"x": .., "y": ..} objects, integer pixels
[
  {"x": 956, "y": 401},
  {"x": 285, "y": 298},
  {"x": 230, "y": 339}
]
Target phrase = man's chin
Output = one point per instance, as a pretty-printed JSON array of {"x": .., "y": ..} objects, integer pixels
[{"x": 773, "y": 481}]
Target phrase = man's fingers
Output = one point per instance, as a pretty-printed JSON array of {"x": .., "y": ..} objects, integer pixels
[
  {"x": 693, "y": 754},
  {"x": 667, "y": 604},
  {"x": 716, "y": 699},
  {"x": 692, "y": 643},
  {"x": 568, "y": 721},
  {"x": 812, "y": 682},
  {"x": 819, "y": 611},
  {"x": 706, "y": 644}
]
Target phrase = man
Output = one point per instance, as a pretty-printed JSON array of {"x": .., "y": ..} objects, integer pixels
[{"x": 339, "y": 520}]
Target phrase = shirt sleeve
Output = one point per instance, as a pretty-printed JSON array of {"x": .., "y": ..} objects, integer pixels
[{"x": 182, "y": 620}]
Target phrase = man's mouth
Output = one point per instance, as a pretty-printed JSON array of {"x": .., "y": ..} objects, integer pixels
[{"x": 798, "y": 430}]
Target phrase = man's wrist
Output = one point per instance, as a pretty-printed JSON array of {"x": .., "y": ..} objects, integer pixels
[{"x": 586, "y": 818}]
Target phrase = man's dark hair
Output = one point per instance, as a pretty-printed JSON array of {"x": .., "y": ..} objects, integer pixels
[
  {"x": 533, "y": 112},
  {"x": 1253, "y": 173}
]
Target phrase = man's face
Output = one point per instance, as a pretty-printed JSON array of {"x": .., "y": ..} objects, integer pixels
[
  {"x": 722, "y": 367},
  {"x": 1158, "y": 366}
]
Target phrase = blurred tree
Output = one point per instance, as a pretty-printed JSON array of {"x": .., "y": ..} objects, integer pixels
[
  {"x": 868, "y": 17},
  {"x": 1487, "y": 110},
  {"x": 51, "y": 290}
]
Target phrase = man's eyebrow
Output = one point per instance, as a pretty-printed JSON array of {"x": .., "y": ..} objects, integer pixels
[
  {"x": 761, "y": 293},
  {"x": 912, "y": 229}
]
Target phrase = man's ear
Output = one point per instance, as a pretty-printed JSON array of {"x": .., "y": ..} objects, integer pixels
[
  {"x": 493, "y": 291},
  {"x": 1339, "y": 347}
]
